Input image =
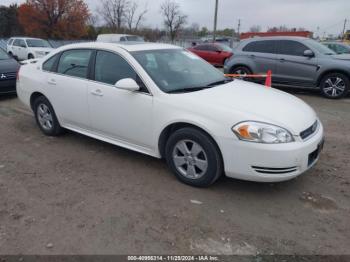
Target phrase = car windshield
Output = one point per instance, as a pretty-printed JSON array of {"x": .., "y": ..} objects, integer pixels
[
  {"x": 322, "y": 49},
  {"x": 38, "y": 43},
  {"x": 134, "y": 38},
  {"x": 3, "y": 55},
  {"x": 177, "y": 70}
]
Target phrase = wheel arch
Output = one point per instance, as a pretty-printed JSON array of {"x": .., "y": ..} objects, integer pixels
[
  {"x": 171, "y": 128},
  {"x": 330, "y": 71},
  {"x": 33, "y": 97},
  {"x": 240, "y": 65}
]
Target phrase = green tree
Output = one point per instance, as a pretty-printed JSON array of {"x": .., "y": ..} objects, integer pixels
[{"x": 9, "y": 25}]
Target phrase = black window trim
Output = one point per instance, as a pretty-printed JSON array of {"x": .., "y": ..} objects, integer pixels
[{"x": 91, "y": 67}]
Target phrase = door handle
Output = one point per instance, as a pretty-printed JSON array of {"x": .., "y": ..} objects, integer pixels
[
  {"x": 97, "y": 92},
  {"x": 252, "y": 56},
  {"x": 52, "y": 82}
]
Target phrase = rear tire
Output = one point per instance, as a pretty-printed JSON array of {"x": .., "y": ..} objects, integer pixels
[
  {"x": 193, "y": 157},
  {"x": 242, "y": 70},
  {"x": 46, "y": 118},
  {"x": 30, "y": 56},
  {"x": 335, "y": 85}
]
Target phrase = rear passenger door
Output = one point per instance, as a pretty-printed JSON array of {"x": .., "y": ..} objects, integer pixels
[
  {"x": 262, "y": 56},
  {"x": 293, "y": 67},
  {"x": 203, "y": 52},
  {"x": 67, "y": 84}
]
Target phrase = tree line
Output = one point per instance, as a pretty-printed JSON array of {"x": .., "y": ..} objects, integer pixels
[{"x": 72, "y": 19}]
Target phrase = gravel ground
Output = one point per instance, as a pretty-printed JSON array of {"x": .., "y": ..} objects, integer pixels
[{"x": 77, "y": 195}]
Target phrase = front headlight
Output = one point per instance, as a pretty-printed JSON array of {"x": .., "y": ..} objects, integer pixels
[{"x": 262, "y": 133}]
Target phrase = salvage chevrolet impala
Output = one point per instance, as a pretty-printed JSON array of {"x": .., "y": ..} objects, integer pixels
[{"x": 166, "y": 102}]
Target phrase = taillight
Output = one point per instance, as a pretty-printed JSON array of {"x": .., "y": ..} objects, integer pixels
[{"x": 17, "y": 74}]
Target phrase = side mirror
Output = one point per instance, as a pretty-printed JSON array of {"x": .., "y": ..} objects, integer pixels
[
  {"x": 127, "y": 84},
  {"x": 309, "y": 53}
]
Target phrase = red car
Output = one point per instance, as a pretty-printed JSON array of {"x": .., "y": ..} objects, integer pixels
[{"x": 215, "y": 54}]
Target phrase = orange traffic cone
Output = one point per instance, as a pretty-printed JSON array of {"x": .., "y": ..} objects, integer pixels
[{"x": 268, "y": 81}]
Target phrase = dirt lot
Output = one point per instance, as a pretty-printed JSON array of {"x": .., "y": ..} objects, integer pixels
[{"x": 76, "y": 195}]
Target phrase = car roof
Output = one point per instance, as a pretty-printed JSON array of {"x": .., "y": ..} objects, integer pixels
[
  {"x": 24, "y": 38},
  {"x": 128, "y": 46},
  {"x": 276, "y": 38},
  {"x": 334, "y": 43}
]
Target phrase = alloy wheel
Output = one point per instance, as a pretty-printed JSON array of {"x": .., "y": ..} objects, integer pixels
[
  {"x": 334, "y": 86},
  {"x": 190, "y": 159},
  {"x": 45, "y": 117}
]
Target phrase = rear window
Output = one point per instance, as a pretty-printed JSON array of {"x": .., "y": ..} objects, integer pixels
[
  {"x": 74, "y": 63},
  {"x": 49, "y": 64},
  {"x": 267, "y": 46}
]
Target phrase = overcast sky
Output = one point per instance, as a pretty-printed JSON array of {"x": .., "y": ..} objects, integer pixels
[{"x": 328, "y": 15}]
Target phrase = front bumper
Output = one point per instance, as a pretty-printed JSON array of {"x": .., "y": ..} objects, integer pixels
[
  {"x": 8, "y": 86},
  {"x": 271, "y": 162}
]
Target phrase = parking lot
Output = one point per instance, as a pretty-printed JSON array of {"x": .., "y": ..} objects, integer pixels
[{"x": 77, "y": 195}]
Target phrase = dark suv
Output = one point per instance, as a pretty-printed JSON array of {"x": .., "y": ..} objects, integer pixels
[{"x": 295, "y": 62}]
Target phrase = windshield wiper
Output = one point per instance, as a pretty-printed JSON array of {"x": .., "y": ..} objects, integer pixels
[
  {"x": 188, "y": 89},
  {"x": 225, "y": 81}
]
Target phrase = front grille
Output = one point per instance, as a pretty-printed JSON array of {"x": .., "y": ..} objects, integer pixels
[
  {"x": 7, "y": 76},
  {"x": 274, "y": 170},
  {"x": 309, "y": 131}
]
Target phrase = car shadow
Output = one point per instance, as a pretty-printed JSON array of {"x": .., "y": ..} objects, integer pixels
[{"x": 7, "y": 97}]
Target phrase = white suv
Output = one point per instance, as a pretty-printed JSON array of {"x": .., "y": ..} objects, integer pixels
[{"x": 28, "y": 48}]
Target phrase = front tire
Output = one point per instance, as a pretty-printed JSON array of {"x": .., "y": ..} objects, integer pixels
[
  {"x": 46, "y": 118},
  {"x": 335, "y": 85},
  {"x": 194, "y": 157}
]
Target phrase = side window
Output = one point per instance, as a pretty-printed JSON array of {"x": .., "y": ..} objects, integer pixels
[
  {"x": 16, "y": 42},
  {"x": 287, "y": 47},
  {"x": 49, "y": 64},
  {"x": 122, "y": 39},
  {"x": 267, "y": 46},
  {"x": 22, "y": 43},
  {"x": 74, "y": 63},
  {"x": 212, "y": 48},
  {"x": 201, "y": 47},
  {"x": 110, "y": 68}
]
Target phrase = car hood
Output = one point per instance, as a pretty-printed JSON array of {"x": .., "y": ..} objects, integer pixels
[
  {"x": 341, "y": 57},
  {"x": 8, "y": 66},
  {"x": 255, "y": 102}
]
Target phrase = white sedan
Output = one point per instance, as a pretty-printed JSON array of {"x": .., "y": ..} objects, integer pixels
[{"x": 163, "y": 101}]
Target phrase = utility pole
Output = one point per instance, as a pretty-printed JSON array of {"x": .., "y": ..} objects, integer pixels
[
  {"x": 215, "y": 19},
  {"x": 238, "y": 29},
  {"x": 342, "y": 35}
]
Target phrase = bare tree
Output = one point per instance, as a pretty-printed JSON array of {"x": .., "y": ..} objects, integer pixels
[
  {"x": 133, "y": 19},
  {"x": 113, "y": 12},
  {"x": 174, "y": 19},
  {"x": 255, "y": 28}
]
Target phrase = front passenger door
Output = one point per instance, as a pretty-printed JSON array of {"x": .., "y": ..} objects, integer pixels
[
  {"x": 293, "y": 67},
  {"x": 120, "y": 115}
]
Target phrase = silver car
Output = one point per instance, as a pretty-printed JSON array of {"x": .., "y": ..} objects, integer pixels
[{"x": 295, "y": 62}]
